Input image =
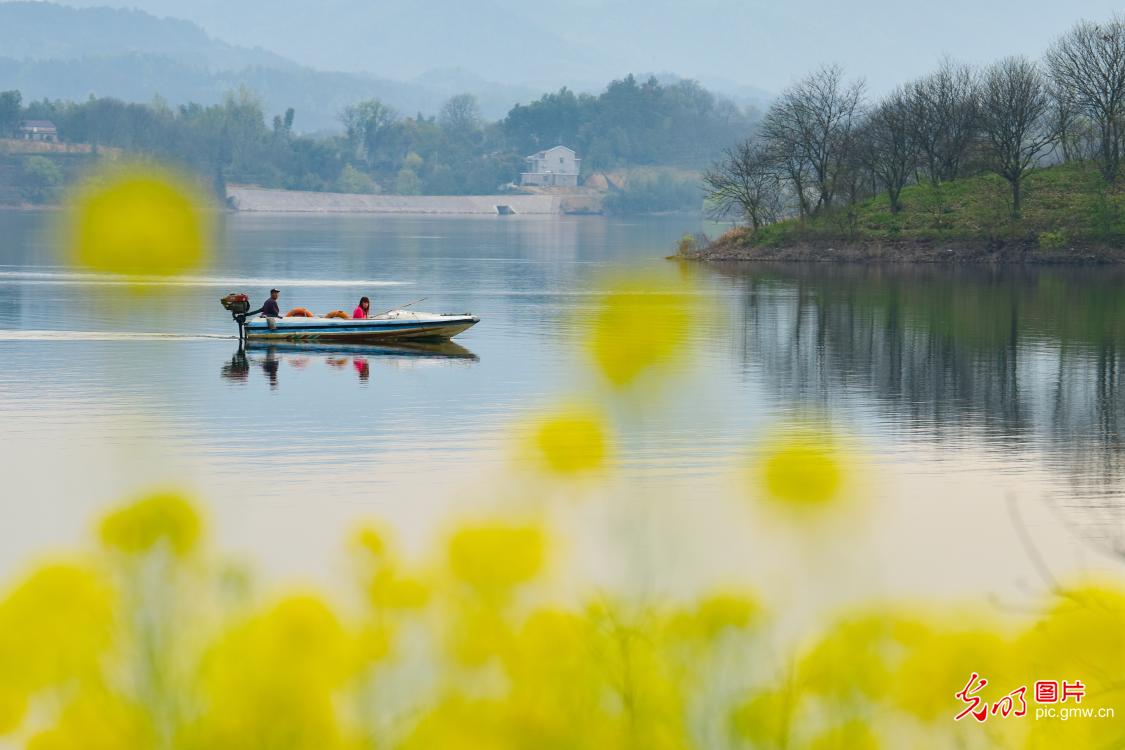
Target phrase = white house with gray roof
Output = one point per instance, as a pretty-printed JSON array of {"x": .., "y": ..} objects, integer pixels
[{"x": 553, "y": 167}]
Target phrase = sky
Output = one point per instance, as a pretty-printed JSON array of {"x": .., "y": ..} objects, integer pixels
[{"x": 584, "y": 43}]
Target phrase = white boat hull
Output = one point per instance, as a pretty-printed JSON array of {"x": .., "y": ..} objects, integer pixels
[{"x": 397, "y": 325}]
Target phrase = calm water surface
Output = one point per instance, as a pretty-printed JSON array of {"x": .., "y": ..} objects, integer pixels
[{"x": 986, "y": 401}]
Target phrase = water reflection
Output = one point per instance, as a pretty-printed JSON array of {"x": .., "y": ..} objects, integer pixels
[
  {"x": 1012, "y": 359},
  {"x": 269, "y": 357}
]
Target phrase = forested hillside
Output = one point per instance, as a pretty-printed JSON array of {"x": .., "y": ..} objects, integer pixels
[{"x": 457, "y": 151}]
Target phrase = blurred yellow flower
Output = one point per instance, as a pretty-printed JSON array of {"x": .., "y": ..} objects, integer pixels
[
  {"x": 765, "y": 719},
  {"x": 83, "y": 664},
  {"x": 496, "y": 556},
  {"x": 387, "y": 587},
  {"x": 573, "y": 441},
  {"x": 370, "y": 541},
  {"x": 399, "y": 592},
  {"x": 1083, "y": 630},
  {"x": 715, "y": 615},
  {"x": 13, "y": 706},
  {"x": 458, "y": 723},
  {"x": 164, "y": 517},
  {"x": 54, "y": 626},
  {"x": 640, "y": 325},
  {"x": 272, "y": 681},
  {"x": 97, "y": 720},
  {"x": 801, "y": 470},
  {"x": 851, "y": 735},
  {"x": 852, "y": 661},
  {"x": 140, "y": 221},
  {"x": 727, "y": 611},
  {"x": 947, "y": 656},
  {"x": 474, "y": 635},
  {"x": 1080, "y": 636}
]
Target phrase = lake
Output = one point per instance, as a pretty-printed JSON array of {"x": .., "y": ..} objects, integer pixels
[{"x": 984, "y": 403}]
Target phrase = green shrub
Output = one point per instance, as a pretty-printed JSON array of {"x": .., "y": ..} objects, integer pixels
[
  {"x": 686, "y": 244},
  {"x": 351, "y": 180},
  {"x": 41, "y": 179},
  {"x": 1055, "y": 240}
]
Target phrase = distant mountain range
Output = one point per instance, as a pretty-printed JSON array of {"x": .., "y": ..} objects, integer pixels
[
  {"x": 44, "y": 31},
  {"x": 60, "y": 52},
  {"x": 63, "y": 52}
]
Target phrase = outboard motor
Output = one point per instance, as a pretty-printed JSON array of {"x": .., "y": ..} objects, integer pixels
[{"x": 239, "y": 307}]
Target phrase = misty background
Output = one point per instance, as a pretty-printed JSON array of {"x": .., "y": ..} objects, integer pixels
[{"x": 414, "y": 54}]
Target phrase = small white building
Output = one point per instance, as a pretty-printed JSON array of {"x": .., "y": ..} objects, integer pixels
[
  {"x": 553, "y": 167},
  {"x": 39, "y": 130}
]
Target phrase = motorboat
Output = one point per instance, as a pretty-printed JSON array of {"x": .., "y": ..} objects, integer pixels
[
  {"x": 396, "y": 324},
  {"x": 393, "y": 325}
]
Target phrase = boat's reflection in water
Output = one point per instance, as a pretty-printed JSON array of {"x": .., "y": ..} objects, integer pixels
[{"x": 269, "y": 357}]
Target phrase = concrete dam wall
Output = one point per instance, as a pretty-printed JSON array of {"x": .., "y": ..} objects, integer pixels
[{"x": 294, "y": 201}]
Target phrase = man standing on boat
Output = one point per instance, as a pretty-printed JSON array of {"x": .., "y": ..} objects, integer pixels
[{"x": 270, "y": 308}]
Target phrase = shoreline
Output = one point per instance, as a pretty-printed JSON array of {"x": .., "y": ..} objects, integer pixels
[{"x": 913, "y": 251}]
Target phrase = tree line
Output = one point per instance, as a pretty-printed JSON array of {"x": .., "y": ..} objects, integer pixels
[
  {"x": 381, "y": 150},
  {"x": 822, "y": 145}
]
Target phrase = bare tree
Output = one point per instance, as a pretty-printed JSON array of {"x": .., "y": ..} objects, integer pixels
[
  {"x": 887, "y": 145},
  {"x": 813, "y": 123},
  {"x": 1015, "y": 118},
  {"x": 943, "y": 119},
  {"x": 1087, "y": 65},
  {"x": 1079, "y": 138},
  {"x": 795, "y": 171},
  {"x": 745, "y": 181},
  {"x": 460, "y": 115}
]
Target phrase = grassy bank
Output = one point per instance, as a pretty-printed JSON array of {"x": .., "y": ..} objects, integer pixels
[
  {"x": 35, "y": 174},
  {"x": 1069, "y": 213}
]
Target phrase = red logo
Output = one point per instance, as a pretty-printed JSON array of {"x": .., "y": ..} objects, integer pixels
[
  {"x": 968, "y": 695},
  {"x": 1077, "y": 691},
  {"x": 1047, "y": 691},
  {"x": 1015, "y": 702}
]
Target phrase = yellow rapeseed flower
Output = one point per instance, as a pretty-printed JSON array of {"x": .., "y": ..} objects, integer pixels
[
  {"x": 474, "y": 635},
  {"x": 371, "y": 542},
  {"x": 496, "y": 556},
  {"x": 140, "y": 221},
  {"x": 164, "y": 517},
  {"x": 572, "y": 441},
  {"x": 851, "y": 735},
  {"x": 725, "y": 611},
  {"x": 640, "y": 325},
  {"x": 800, "y": 469},
  {"x": 715, "y": 615},
  {"x": 386, "y": 585},
  {"x": 13, "y": 706},
  {"x": 1080, "y": 636},
  {"x": 946, "y": 656},
  {"x": 54, "y": 626},
  {"x": 765, "y": 719},
  {"x": 272, "y": 680},
  {"x": 97, "y": 719}
]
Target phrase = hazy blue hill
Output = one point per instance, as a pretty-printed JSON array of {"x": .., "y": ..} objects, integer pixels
[
  {"x": 495, "y": 99},
  {"x": 45, "y": 31},
  {"x": 59, "y": 52},
  {"x": 316, "y": 96},
  {"x": 401, "y": 38},
  {"x": 584, "y": 42}
]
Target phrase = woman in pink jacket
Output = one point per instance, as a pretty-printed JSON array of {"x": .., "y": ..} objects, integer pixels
[{"x": 362, "y": 309}]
